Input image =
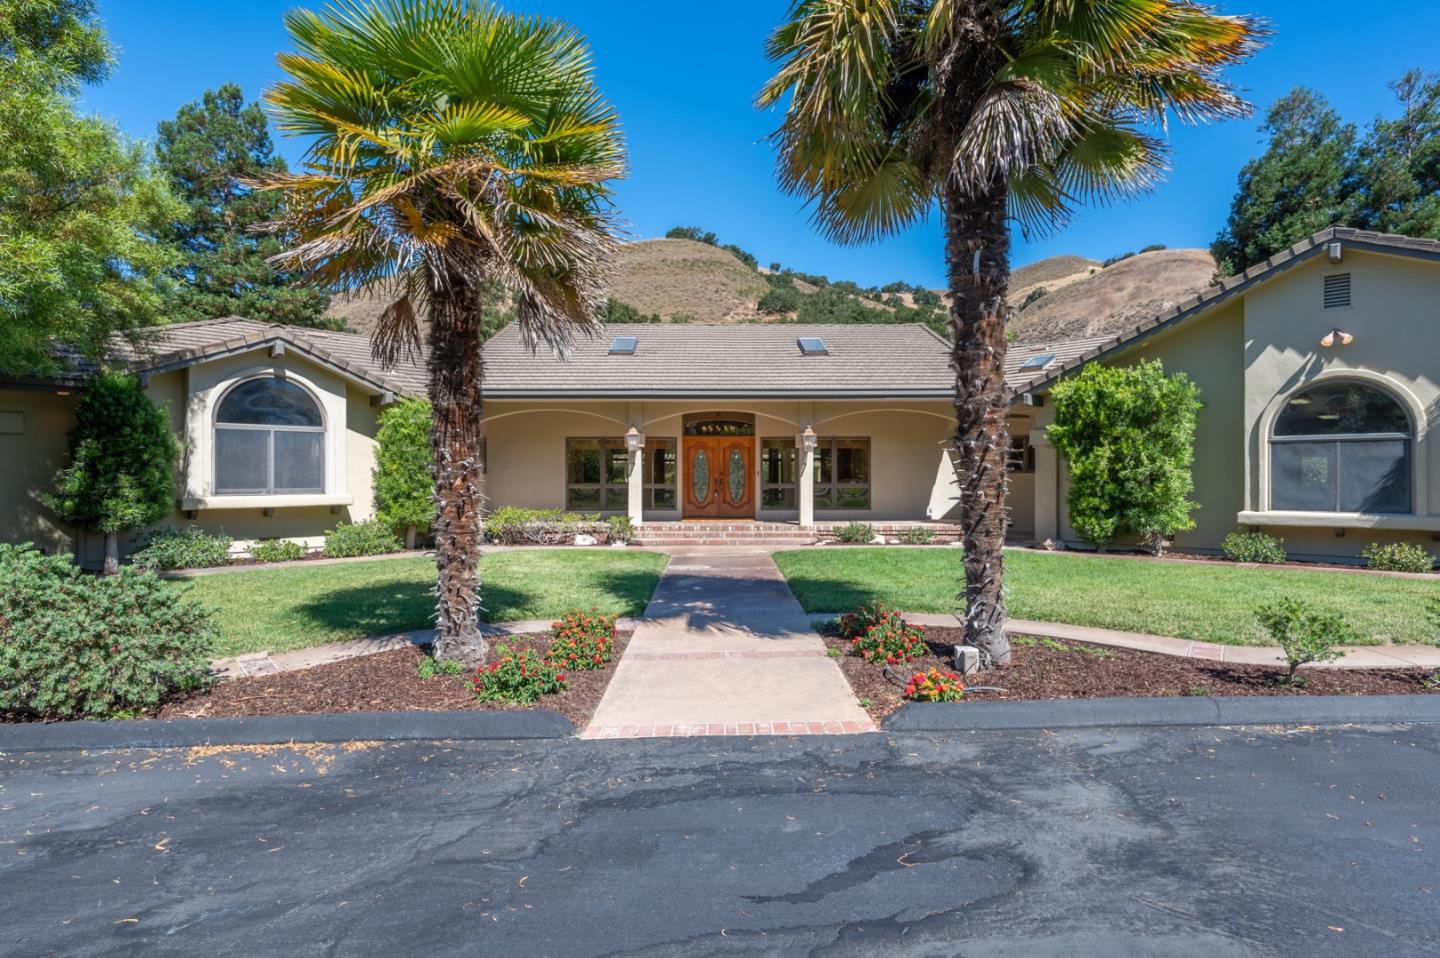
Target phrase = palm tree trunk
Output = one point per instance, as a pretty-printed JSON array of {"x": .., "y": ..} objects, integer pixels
[
  {"x": 456, "y": 368},
  {"x": 977, "y": 254}
]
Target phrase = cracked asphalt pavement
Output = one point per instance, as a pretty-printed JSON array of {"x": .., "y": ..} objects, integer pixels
[{"x": 1155, "y": 842}]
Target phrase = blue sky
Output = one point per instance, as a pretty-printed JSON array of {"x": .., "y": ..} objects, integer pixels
[{"x": 683, "y": 75}]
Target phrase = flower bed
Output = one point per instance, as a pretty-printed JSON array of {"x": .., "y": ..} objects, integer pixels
[
  {"x": 388, "y": 682},
  {"x": 1055, "y": 669}
]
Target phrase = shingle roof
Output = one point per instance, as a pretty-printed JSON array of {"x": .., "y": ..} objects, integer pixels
[
  {"x": 1363, "y": 240},
  {"x": 182, "y": 344},
  {"x": 1062, "y": 351},
  {"x": 735, "y": 360}
]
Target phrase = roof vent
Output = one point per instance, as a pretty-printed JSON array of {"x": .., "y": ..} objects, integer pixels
[
  {"x": 1337, "y": 290},
  {"x": 812, "y": 346},
  {"x": 624, "y": 346},
  {"x": 1037, "y": 362}
]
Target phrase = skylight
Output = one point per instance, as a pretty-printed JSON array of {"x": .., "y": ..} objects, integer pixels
[
  {"x": 812, "y": 346},
  {"x": 1038, "y": 362},
  {"x": 624, "y": 346}
]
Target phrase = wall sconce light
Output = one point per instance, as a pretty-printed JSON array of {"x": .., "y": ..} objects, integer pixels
[
  {"x": 634, "y": 440},
  {"x": 1336, "y": 334},
  {"x": 808, "y": 439}
]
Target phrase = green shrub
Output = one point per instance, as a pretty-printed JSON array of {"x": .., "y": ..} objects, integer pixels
[
  {"x": 78, "y": 646},
  {"x": 429, "y": 667},
  {"x": 890, "y": 641},
  {"x": 856, "y": 532},
  {"x": 369, "y": 538},
  {"x": 1128, "y": 436},
  {"x": 583, "y": 641},
  {"x": 1258, "y": 547},
  {"x": 122, "y": 459},
  {"x": 513, "y": 525},
  {"x": 1398, "y": 557},
  {"x": 621, "y": 529},
  {"x": 917, "y": 536},
  {"x": 188, "y": 548},
  {"x": 1304, "y": 632},
  {"x": 404, "y": 488},
  {"x": 516, "y": 676},
  {"x": 277, "y": 550}
]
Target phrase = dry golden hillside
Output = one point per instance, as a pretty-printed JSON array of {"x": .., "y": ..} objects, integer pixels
[
  {"x": 1116, "y": 297},
  {"x": 1053, "y": 273},
  {"x": 675, "y": 277}
]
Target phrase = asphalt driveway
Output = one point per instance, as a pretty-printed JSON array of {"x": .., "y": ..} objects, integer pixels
[{"x": 1138, "y": 842}]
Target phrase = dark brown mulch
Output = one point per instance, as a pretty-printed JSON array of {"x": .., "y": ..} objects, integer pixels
[
  {"x": 1071, "y": 670},
  {"x": 386, "y": 682}
]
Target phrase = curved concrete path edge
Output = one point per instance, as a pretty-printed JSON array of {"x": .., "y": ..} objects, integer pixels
[
  {"x": 977, "y": 715},
  {"x": 284, "y": 729}
]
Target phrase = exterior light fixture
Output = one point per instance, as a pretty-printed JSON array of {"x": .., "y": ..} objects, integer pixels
[
  {"x": 808, "y": 439},
  {"x": 634, "y": 440},
  {"x": 1329, "y": 339}
]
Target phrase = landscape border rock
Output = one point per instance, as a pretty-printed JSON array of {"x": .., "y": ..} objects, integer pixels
[
  {"x": 975, "y": 714},
  {"x": 281, "y": 729}
]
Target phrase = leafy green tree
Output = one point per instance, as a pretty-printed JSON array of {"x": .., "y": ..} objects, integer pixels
[
  {"x": 451, "y": 146},
  {"x": 209, "y": 153},
  {"x": 997, "y": 110},
  {"x": 618, "y": 312},
  {"x": 121, "y": 475},
  {"x": 1398, "y": 188},
  {"x": 694, "y": 233},
  {"x": 404, "y": 488},
  {"x": 1301, "y": 184},
  {"x": 80, "y": 209},
  {"x": 1128, "y": 437}
]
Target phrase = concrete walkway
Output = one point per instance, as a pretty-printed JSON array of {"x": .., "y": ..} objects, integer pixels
[{"x": 725, "y": 649}]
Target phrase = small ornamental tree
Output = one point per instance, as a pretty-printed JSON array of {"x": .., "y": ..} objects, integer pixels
[
  {"x": 404, "y": 487},
  {"x": 1127, "y": 434},
  {"x": 121, "y": 475}
]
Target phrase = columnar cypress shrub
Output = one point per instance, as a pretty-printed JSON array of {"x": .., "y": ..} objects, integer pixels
[
  {"x": 404, "y": 488},
  {"x": 121, "y": 475},
  {"x": 1128, "y": 437}
]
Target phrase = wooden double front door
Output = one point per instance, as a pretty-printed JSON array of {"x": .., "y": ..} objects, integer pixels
[{"x": 719, "y": 477}]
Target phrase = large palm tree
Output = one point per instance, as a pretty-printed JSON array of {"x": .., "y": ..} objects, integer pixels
[
  {"x": 997, "y": 110},
  {"x": 454, "y": 150}
]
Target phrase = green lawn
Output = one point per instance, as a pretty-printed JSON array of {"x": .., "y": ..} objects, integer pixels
[
  {"x": 1212, "y": 602},
  {"x": 305, "y": 604}
]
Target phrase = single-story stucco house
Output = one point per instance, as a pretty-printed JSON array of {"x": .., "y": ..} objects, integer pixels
[{"x": 1319, "y": 371}]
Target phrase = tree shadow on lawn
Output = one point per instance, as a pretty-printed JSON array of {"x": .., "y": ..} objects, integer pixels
[
  {"x": 384, "y": 608},
  {"x": 818, "y": 594}
]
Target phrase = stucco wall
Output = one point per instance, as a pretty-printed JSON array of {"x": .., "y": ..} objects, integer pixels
[
  {"x": 1250, "y": 354},
  {"x": 910, "y": 476},
  {"x": 189, "y": 396},
  {"x": 1395, "y": 306},
  {"x": 33, "y": 445}
]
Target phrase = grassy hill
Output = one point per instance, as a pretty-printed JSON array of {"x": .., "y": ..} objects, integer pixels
[
  {"x": 693, "y": 281},
  {"x": 1113, "y": 298}
]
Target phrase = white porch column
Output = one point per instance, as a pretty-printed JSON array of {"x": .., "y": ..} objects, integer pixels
[
  {"x": 805, "y": 448},
  {"x": 635, "y": 477},
  {"x": 1047, "y": 487}
]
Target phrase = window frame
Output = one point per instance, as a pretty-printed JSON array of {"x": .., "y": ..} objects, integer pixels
[
  {"x": 827, "y": 494},
  {"x": 1020, "y": 455},
  {"x": 1338, "y": 440},
  {"x": 788, "y": 446},
  {"x": 653, "y": 448},
  {"x": 606, "y": 444},
  {"x": 217, "y": 427}
]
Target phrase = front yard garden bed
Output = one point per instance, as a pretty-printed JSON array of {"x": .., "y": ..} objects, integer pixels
[
  {"x": 1207, "y": 602},
  {"x": 1056, "y": 669},
  {"x": 388, "y": 682}
]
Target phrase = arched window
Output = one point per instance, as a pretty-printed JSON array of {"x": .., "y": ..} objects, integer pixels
[
  {"x": 269, "y": 438},
  {"x": 1341, "y": 447}
]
